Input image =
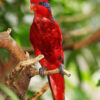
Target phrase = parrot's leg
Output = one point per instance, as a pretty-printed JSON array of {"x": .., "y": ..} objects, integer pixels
[
  {"x": 61, "y": 69},
  {"x": 41, "y": 71}
]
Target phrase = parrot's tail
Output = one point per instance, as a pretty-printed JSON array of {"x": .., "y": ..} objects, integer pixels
[{"x": 56, "y": 82}]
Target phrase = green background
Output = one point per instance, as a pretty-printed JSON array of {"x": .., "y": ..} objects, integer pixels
[{"x": 78, "y": 20}]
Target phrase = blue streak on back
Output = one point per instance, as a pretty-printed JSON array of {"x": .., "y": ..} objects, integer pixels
[{"x": 46, "y": 4}]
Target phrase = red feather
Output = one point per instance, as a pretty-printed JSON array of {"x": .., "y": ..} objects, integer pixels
[{"x": 46, "y": 38}]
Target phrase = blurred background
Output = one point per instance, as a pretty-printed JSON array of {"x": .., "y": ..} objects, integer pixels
[{"x": 78, "y": 19}]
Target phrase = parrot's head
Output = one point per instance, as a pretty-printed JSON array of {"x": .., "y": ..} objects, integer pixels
[{"x": 41, "y": 7}]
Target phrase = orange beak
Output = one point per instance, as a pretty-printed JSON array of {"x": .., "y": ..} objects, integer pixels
[{"x": 33, "y": 7}]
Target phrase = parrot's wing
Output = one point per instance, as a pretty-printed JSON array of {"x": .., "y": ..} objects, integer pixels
[
  {"x": 52, "y": 38},
  {"x": 51, "y": 32}
]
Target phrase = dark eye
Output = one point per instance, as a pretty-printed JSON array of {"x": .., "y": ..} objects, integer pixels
[{"x": 41, "y": 3}]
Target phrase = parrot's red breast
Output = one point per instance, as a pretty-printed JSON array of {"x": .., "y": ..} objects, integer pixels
[{"x": 46, "y": 38}]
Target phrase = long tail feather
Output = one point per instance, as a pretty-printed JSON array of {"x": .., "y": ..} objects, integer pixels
[{"x": 57, "y": 86}]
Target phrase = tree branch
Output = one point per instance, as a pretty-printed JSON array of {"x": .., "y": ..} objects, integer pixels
[
  {"x": 94, "y": 38},
  {"x": 22, "y": 64},
  {"x": 7, "y": 67},
  {"x": 55, "y": 71},
  {"x": 7, "y": 42},
  {"x": 24, "y": 68},
  {"x": 79, "y": 32},
  {"x": 41, "y": 91}
]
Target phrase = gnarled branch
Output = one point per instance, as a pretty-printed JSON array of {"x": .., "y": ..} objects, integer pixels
[{"x": 24, "y": 68}]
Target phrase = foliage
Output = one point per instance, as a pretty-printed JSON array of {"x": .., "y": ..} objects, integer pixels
[
  {"x": 80, "y": 17},
  {"x": 9, "y": 92},
  {"x": 98, "y": 83}
]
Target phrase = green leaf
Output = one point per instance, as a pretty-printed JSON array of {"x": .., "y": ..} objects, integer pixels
[
  {"x": 9, "y": 92},
  {"x": 79, "y": 94},
  {"x": 1, "y": 97},
  {"x": 98, "y": 84},
  {"x": 29, "y": 94}
]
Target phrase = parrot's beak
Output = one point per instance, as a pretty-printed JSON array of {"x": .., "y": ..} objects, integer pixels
[{"x": 33, "y": 7}]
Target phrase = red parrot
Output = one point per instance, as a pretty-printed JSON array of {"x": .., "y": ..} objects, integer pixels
[{"x": 46, "y": 39}]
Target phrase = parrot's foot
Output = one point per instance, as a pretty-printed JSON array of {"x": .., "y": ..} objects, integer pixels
[
  {"x": 41, "y": 71},
  {"x": 61, "y": 69}
]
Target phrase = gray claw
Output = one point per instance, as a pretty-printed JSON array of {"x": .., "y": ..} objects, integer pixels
[
  {"x": 61, "y": 69},
  {"x": 41, "y": 71}
]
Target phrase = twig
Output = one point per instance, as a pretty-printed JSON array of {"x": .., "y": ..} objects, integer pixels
[
  {"x": 94, "y": 38},
  {"x": 55, "y": 71},
  {"x": 31, "y": 61},
  {"x": 41, "y": 91},
  {"x": 80, "y": 32}
]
